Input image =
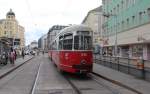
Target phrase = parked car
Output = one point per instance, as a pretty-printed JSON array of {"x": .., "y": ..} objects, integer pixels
[
  {"x": 32, "y": 52},
  {"x": 27, "y": 53}
]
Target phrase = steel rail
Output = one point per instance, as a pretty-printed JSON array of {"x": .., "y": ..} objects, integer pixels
[
  {"x": 36, "y": 79},
  {"x": 10, "y": 71},
  {"x": 75, "y": 88},
  {"x": 114, "y": 91},
  {"x": 117, "y": 83}
]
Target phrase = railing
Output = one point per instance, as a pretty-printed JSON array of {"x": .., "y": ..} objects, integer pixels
[{"x": 127, "y": 65}]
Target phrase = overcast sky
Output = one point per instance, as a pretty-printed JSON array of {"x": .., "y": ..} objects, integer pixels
[{"x": 37, "y": 16}]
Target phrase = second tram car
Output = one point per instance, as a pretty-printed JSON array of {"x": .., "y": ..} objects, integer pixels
[{"x": 71, "y": 50}]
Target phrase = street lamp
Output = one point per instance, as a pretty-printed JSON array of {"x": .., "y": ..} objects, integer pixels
[{"x": 115, "y": 22}]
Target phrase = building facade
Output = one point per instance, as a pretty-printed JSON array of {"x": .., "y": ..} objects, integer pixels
[
  {"x": 94, "y": 20},
  {"x": 11, "y": 29},
  {"x": 21, "y": 31},
  {"x": 42, "y": 42},
  {"x": 127, "y": 28},
  {"x": 34, "y": 45}
]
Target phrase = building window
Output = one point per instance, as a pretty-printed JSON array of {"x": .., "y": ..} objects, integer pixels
[
  {"x": 137, "y": 51},
  {"x": 118, "y": 8},
  {"x": 148, "y": 12},
  {"x": 122, "y": 4},
  {"x": 133, "y": 2},
  {"x": 114, "y": 11},
  {"x": 122, "y": 25},
  {"x": 127, "y": 4},
  {"x": 127, "y": 22},
  {"x": 111, "y": 12},
  {"x": 140, "y": 17},
  {"x": 119, "y": 27},
  {"x": 133, "y": 20}
]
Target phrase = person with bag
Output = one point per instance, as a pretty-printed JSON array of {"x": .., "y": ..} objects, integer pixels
[{"x": 12, "y": 56}]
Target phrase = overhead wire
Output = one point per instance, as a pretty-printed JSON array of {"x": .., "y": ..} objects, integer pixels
[{"x": 31, "y": 15}]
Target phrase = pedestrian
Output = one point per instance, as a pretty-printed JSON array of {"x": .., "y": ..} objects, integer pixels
[
  {"x": 7, "y": 54},
  {"x": 23, "y": 54},
  {"x": 12, "y": 56},
  {"x": 15, "y": 54},
  {"x": 4, "y": 58},
  {"x": 104, "y": 53},
  {"x": 38, "y": 52},
  {"x": 43, "y": 52}
]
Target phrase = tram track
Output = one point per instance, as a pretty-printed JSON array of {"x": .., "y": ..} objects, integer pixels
[
  {"x": 112, "y": 90},
  {"x": 21, "y": 79},
  {"x": 15, "y": 68},
  {"x": 74, "y": 87},
  {"x": 81, "y": 90},
  {"x": 116, "y": 83},
  {"x": 35, "y": 81}
]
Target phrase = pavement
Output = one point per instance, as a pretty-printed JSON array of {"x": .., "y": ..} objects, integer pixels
[
  {"x": 8, "y": 67},
  {"x": 128, "y": 80}
]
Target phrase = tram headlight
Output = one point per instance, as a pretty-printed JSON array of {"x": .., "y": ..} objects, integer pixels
[{"x": 83, "y": 62}]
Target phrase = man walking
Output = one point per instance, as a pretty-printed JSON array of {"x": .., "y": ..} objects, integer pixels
[{"x": 23, "y": 54}]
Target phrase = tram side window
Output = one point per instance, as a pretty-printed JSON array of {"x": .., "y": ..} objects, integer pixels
[
  {"x": 54, "y": 46},
  {"x": 67, "y": 42},
  {"x": 60, "y": 42}
]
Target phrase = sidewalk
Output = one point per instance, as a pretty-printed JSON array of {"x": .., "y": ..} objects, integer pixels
[
  {"x": 128, "y": 80},
  {"x": 8, "y": 67}
]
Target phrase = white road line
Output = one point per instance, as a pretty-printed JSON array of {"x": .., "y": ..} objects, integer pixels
[{"x": 37, "y": 76}]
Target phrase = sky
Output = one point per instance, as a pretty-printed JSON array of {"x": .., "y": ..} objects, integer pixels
[{"x": 37, "y": 16}]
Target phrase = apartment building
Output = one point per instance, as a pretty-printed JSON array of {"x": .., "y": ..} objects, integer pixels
[
  {"x": 94, "y": 20},
  {"x": 11, "y": 29},
  {"x": 127, "y": 28}
]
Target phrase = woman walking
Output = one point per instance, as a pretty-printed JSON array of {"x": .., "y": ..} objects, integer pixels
[{"x": 12, "y": 56}]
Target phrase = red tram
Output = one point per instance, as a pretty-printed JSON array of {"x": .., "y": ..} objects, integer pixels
[{"x": 71, "y": 50}]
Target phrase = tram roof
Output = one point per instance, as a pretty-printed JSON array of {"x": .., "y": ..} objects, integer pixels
[{"x": 74, "y": 28}]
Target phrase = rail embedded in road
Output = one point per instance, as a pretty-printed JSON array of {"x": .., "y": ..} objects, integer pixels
[
  {"x": 117, "y": 83},
  {"x": 13, "y": 69}
]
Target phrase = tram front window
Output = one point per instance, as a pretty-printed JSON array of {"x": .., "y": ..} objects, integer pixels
[
  {"x": 82, "y": 42},
  {"x": 67, "y": 42}
]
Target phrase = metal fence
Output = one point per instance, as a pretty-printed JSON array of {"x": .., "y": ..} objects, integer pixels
[{"x": 136, "y": 67}]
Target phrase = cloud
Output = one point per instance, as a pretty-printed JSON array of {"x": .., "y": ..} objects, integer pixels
[{"x": 37, "y": 16}]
